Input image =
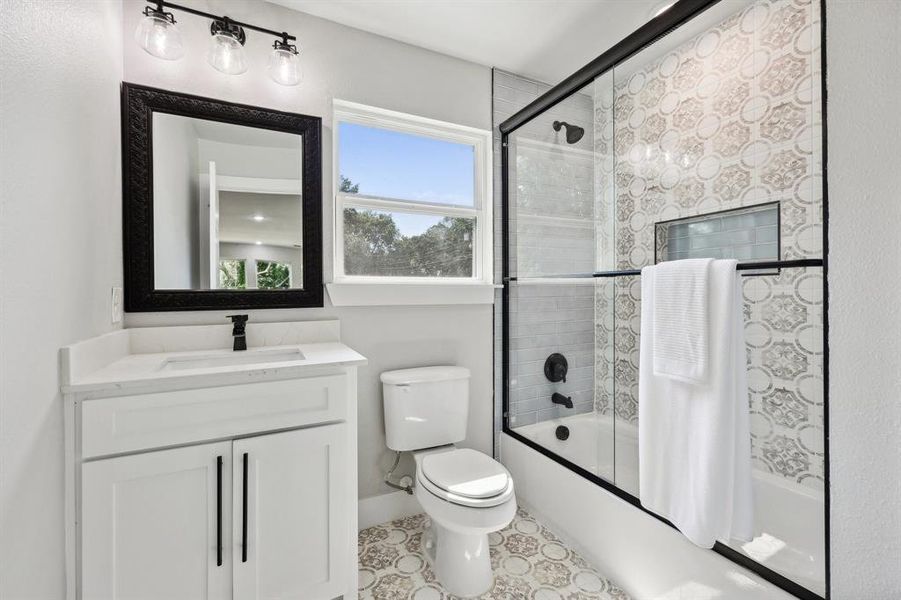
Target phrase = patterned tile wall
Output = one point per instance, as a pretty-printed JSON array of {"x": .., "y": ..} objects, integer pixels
[{"x": 731, "y": 118}]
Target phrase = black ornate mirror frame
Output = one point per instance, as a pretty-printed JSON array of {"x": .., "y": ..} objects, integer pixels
[{"x": 138, "y": 105}]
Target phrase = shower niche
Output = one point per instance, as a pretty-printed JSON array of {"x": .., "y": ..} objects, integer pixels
[{"x": 698, "y": 136}]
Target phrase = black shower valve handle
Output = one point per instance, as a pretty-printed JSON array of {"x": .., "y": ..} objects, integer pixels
[
  {"x": 560, "y": 371},
  {"x": 556, "y": 367}
]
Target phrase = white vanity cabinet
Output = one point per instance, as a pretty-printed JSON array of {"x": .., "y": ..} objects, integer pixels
[
  {"x": 235, "y": 483},
  {"x": 295, "y": 522},
  {"x": 150, "y": 522},
  {"x": 257, "y": 518}
]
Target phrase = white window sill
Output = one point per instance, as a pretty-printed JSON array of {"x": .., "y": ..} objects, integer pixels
[{"x": 409, "y": 294}]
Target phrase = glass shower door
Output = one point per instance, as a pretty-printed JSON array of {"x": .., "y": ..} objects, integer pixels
[
  {"x": 717, "y": 151},
  {"x": 558, "y": 398},
  {"x": 705, "y": 143}
]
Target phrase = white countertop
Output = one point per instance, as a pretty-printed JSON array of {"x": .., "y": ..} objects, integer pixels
[
  {"x": 109, "y": 363},
  {"x": 137, "y": 370}
]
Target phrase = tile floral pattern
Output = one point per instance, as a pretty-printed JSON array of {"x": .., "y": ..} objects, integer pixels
[
  {"x": 731, "y": 118},
  {"x": 784, "y": 335},
  {"x": 529, "y": 562}
]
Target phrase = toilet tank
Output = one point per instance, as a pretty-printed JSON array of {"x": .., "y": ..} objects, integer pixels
[{"x": 425, "y": 407}]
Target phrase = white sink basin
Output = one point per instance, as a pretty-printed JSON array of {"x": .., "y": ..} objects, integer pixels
[{"x": 247, "y": 357}]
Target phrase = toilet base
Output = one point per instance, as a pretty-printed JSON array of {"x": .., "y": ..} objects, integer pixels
[{"x": 461, "y": 561}]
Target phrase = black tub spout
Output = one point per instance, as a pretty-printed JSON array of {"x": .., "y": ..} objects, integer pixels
[{"x": 559, "y": 398}]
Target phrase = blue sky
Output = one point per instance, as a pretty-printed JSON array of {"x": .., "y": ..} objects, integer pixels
[{"x": 390, "y": 164}]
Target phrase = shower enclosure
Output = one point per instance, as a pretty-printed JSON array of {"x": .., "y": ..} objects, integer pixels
[{"x": 700, "y": 135}]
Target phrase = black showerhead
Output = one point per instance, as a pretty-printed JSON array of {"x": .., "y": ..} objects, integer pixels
[{"x": 574, "y": 133}]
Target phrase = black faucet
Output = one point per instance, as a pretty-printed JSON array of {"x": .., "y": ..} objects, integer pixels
[
  {"x": 238, "y": 323},
  {"x": 559, "y": 398}
]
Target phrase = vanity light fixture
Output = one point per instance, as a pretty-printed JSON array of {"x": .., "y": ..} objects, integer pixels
[
  {"x": 284, "y": 64},
  {"x": 226, "y": 53},
  {"x": 259, "y": 218},
  {"x": 158, "y": 35}
]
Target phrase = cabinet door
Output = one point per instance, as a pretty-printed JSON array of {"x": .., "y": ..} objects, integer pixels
[
  {"x": 153, "y": 524},
  {"x": 290, "y": 514}
]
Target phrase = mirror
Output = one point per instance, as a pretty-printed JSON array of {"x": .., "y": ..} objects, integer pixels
[
  {"x": 222, "y": 204},
  {"x": 227, "y": 208}
]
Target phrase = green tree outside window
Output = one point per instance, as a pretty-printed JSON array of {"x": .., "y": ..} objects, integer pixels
[
  {"x": 273, "y": 275},
  {"x": 373, "y": 244},
  {"x": 232, "y": 274}
]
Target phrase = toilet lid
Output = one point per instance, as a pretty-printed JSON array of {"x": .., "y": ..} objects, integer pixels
[{"x": 466, "y": 473}]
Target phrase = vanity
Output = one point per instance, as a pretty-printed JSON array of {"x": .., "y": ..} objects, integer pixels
[
  {"x": 210, "y": 462},
  {"x": 194, "y": 471}
]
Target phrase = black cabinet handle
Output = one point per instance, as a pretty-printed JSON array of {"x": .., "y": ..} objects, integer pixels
[
  {"x": 244, "y": 515},
  {"x": 218, "y": 511}
]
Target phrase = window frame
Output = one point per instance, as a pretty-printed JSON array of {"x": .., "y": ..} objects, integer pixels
[{"x": 480, "y": 211}]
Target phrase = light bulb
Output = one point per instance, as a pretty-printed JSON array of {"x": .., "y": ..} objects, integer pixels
[
  {"x": 158, "y": 35},
  {"x": 226, "y": 53},
  {"x": 284, "y": 64}
]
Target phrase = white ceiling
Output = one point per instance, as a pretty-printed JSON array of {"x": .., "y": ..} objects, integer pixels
[
  {"x": 281, "y": 224},
  {"x": 543, "y": 39},
  {"x": 229, "y": 133}
]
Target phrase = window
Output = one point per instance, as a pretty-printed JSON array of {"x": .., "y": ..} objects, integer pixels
[
  {"x": 232, "y": 274},
  {"x": 272, "y": 275},
  {"x": 412, "y": 200},
  {"x": 262, "y": 274}
]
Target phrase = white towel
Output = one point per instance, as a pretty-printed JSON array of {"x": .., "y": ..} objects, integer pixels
[
  {"x": 680, "y": 319},
  {"x": 694, "y": 439}
]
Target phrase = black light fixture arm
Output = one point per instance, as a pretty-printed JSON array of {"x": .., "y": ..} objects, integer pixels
[{"x": 160, "y": 4}]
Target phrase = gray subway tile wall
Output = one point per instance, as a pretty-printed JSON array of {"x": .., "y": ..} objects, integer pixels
[
  {"x": 552, "y": 232},
  {"x": 743, "y": 234}
]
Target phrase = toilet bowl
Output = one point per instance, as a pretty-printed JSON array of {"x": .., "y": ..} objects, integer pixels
[{"x": 467, "y": 495}]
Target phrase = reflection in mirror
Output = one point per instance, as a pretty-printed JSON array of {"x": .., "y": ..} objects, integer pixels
[{"x": 226, "y": 206}]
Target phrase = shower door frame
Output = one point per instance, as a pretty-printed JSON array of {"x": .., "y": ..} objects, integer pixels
[{"x": 679, "y": 14}]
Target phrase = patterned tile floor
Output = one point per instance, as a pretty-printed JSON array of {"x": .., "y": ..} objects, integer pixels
[{"x": 530, "y": 563}]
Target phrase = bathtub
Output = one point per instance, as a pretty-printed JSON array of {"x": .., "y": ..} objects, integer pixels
[{"x": 789, "y": 517}]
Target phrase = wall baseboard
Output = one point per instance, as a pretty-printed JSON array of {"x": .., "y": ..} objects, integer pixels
[{"x": 376, "y": 510}]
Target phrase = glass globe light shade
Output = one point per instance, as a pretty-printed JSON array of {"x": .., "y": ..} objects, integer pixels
[
  {"x": 158, "y": 35},
  {"x": 226, "y": 54},
  {"x": 284, "y": 65}
]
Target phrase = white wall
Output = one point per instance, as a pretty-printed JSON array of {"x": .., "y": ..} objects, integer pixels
[
  {"x": 863, "y": 54},
  {"x": 60, "y": 252},
  {"x": 345, "y": 63},
  {"x": 175, "y": 203}
]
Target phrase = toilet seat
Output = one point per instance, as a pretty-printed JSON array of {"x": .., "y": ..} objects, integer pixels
[{"x": 465, "y": 477}]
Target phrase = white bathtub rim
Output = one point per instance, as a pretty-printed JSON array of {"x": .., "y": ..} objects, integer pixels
[{"x": 809, "y": 492}]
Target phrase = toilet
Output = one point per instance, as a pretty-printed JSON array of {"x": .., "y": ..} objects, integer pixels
[{"x": 466, "y": 493}]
